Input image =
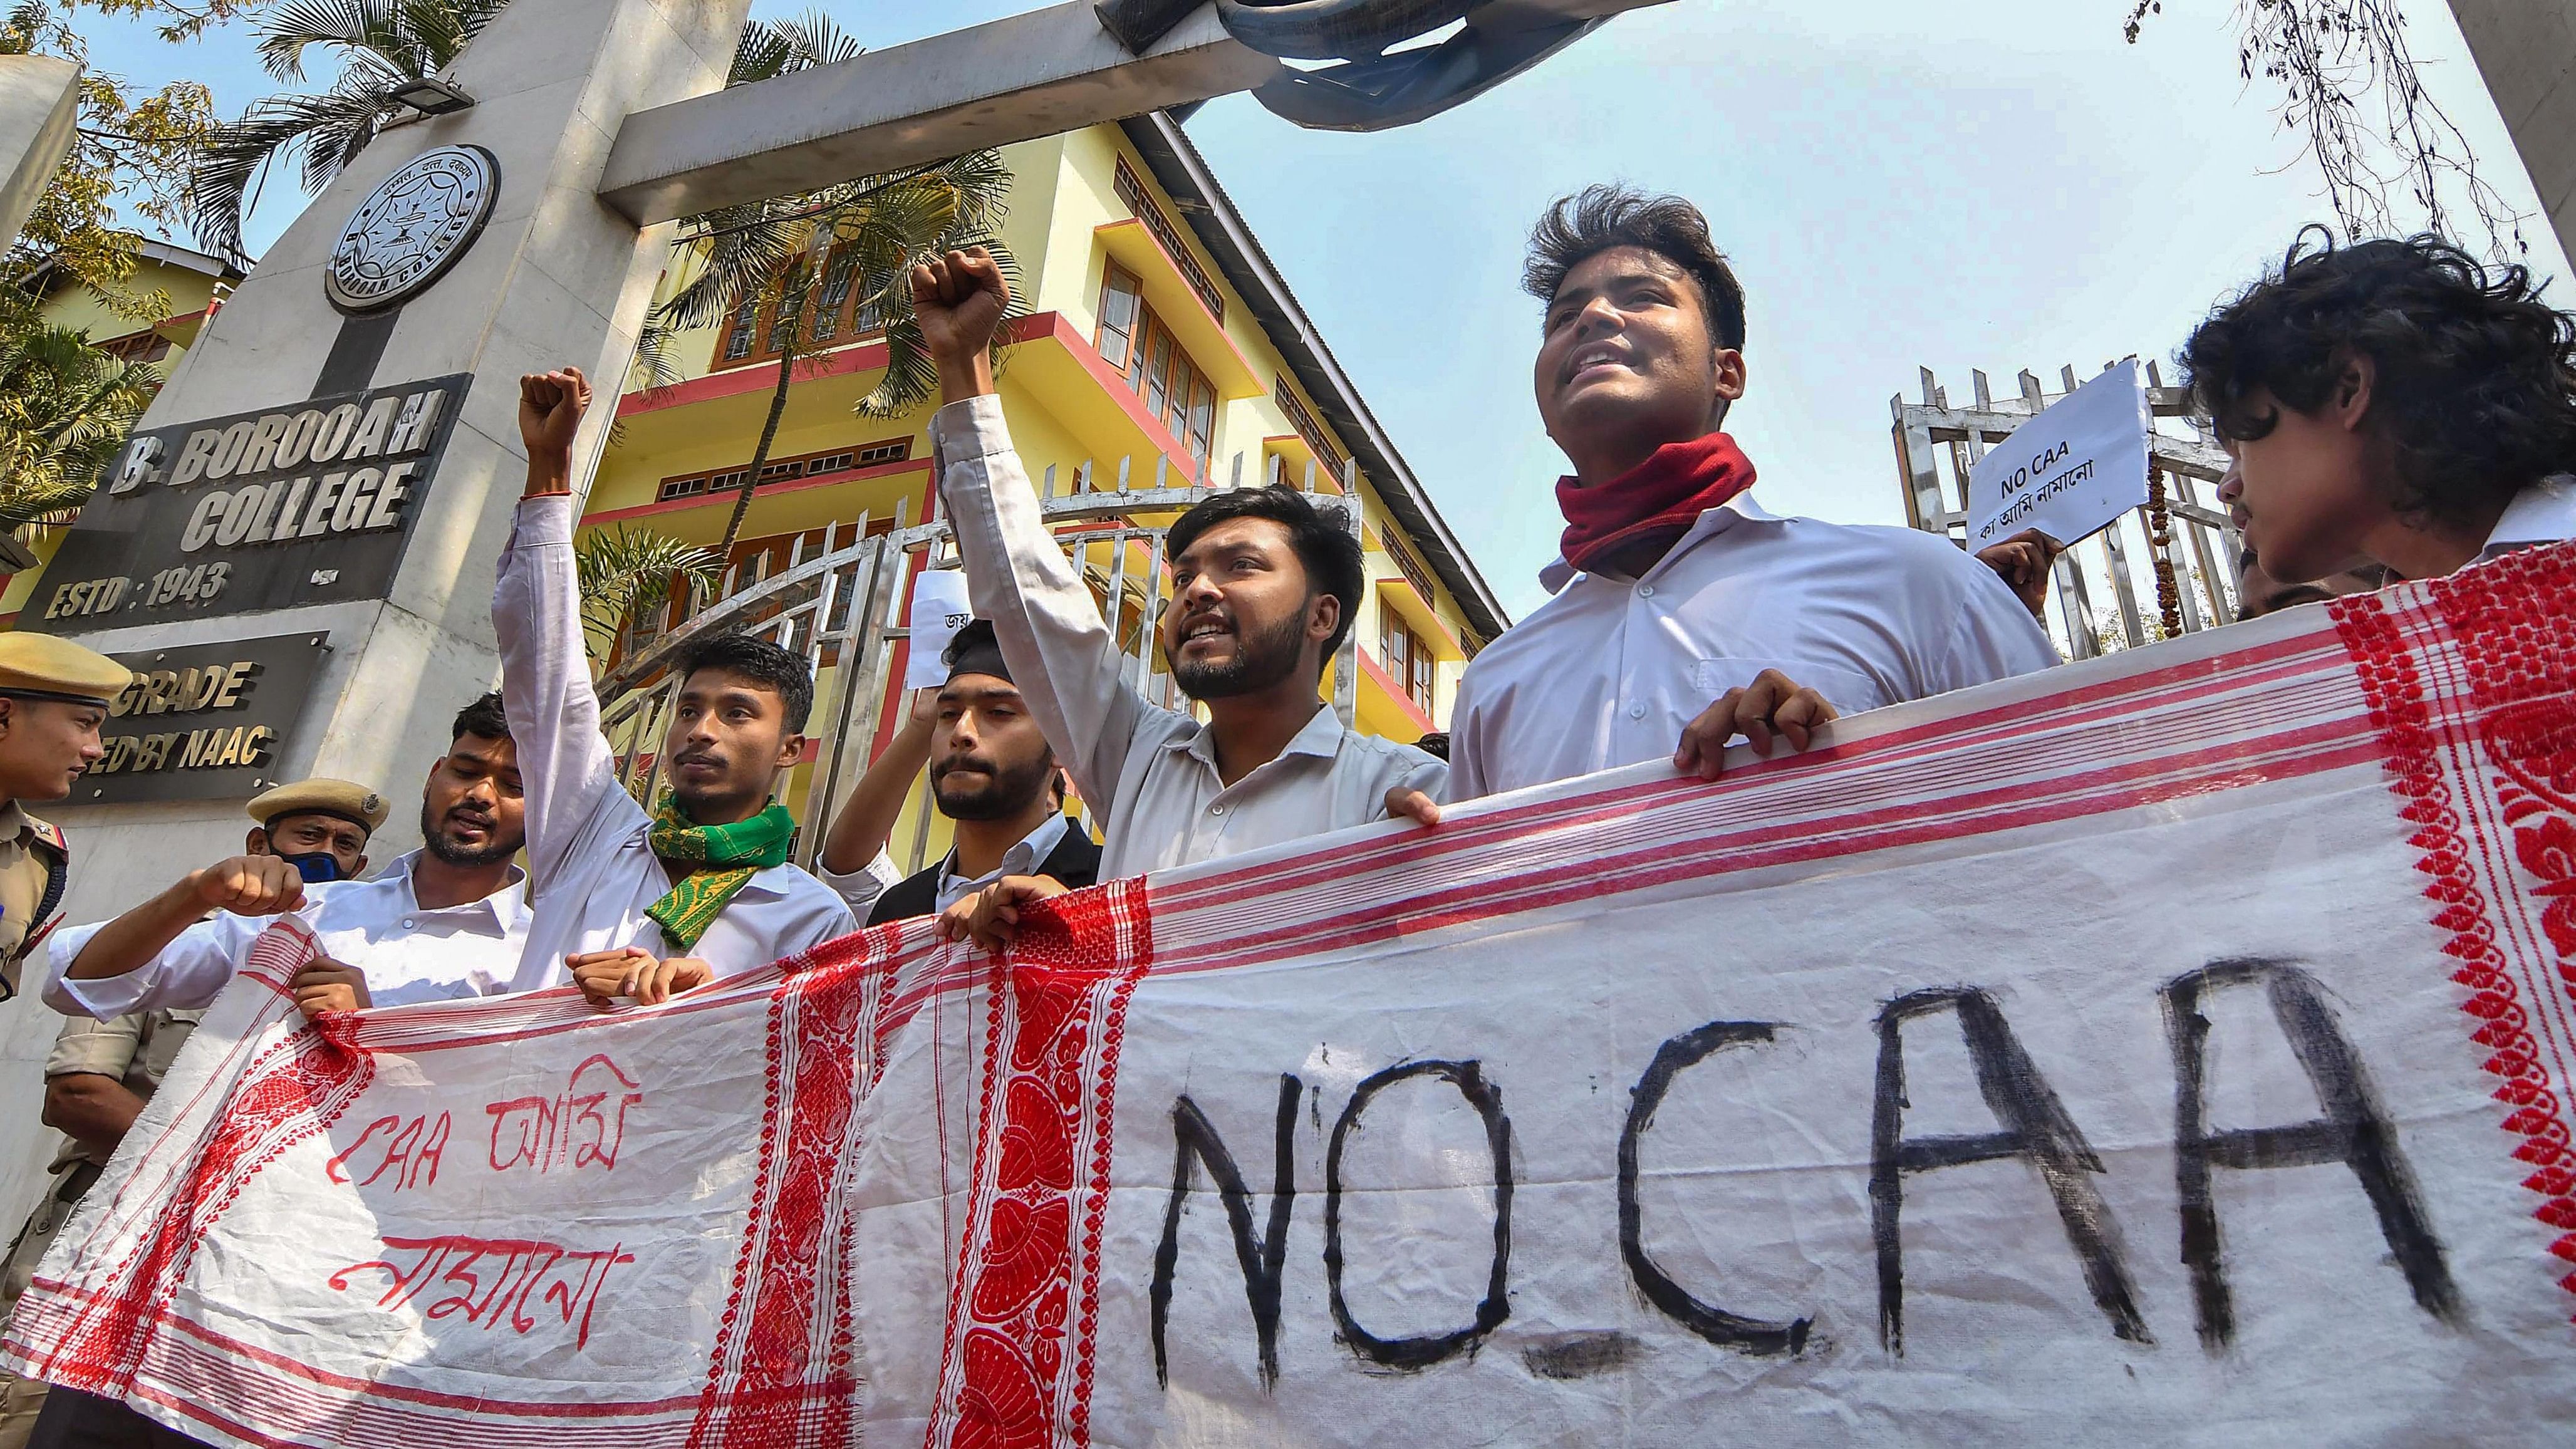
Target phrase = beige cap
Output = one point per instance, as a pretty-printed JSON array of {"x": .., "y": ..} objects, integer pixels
[
  {"x": 346, "y": 799},
  {"x": 40, "y": 666}
]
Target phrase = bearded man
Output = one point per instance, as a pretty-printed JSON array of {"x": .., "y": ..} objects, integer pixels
[
  {"x": 1264, "y": 585},
  {"x": 991, "y": 772}
]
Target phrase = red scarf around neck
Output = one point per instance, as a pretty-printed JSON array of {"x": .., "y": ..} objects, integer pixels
[{"x": 1667, "y": 491}]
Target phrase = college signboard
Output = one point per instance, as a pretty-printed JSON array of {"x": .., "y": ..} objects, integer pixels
[
  {"x": 2071, "y": 471},
  {"x": 310, "y": 503},
  {"x": 203, "y": 721},
  {"x": 2167, "y": 1048}
]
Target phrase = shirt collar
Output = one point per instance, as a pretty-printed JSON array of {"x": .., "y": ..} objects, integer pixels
[
  {"x": 1711, "y": 522},
  {"x": 2545, "y": 512},
  {"x": 1025, "y": 855},
  {"x": 1322, "y": 736},
  {"x": 507, "y": 904},
  {"x": 13, "y": 821}
]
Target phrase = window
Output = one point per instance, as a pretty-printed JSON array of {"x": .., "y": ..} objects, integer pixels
[
  {"x": 1327, "y": 457},
  {"x": 1409, "y": 661},
  {"x": 831, "y": 308},
  {"x": 1140, "y": 201},
  {"x": 809, "y": 465},
  {"x": 1135, "y": 341}
]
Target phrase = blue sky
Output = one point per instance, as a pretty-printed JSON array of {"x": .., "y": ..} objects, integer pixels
[{"x": 1983, "y": 183}]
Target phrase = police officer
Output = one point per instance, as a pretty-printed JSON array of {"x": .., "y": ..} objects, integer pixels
[
  {"x": 54, "y": 695},
  {"x": 97, "y": 1079},
  {"x": 319, "y": 826}
]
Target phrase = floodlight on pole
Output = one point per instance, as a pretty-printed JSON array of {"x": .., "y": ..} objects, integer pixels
[{"x": 433, "y": 97}]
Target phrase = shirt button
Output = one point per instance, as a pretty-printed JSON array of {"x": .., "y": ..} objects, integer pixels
[
  {"x": 1636, "y": 711},
  {"x": 1645, "y": 591},
  {"x": 409, "y": 924},
  {"x": 1216, "y": 810}
]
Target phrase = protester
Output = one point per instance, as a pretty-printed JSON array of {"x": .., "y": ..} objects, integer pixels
[
  {"x": 1684, "y": 613},
  {"x": 319, "y": 826},
  {"x": 990, "y": 771},
  {"x": 634, "y": 902},
  {"x": 2393, "y": 401},
  {"x": 442, "y": 922},
  {"x": 97, "y": 1080},
  {"x": 54, "y": 695},
  {"x": 1264, "y": 585}
]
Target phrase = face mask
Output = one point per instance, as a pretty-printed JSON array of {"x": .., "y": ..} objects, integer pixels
[{"x": 315, "y": 866}]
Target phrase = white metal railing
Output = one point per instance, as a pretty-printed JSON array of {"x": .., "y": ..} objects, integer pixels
[{"x": 2178, "y": 552}]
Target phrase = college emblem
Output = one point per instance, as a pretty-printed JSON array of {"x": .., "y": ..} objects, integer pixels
[{"x": 411, "y": 228}]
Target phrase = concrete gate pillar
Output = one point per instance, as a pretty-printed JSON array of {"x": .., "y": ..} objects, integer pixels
[{"x": 553, "y": 276}]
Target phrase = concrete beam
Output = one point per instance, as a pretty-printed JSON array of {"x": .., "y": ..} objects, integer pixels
[
  {"x": 39, "y": 106},
  {"x": 1030, "y": 75}
]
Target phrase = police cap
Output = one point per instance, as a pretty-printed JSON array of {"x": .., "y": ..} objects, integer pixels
[
  {"x": 40, "y": 666},
  {"x": 340, "y": 799}
]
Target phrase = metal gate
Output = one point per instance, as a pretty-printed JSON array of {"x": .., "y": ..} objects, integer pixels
[
  {"x": 2177, "y": 550},
  {"x": 837, "y": 605}
]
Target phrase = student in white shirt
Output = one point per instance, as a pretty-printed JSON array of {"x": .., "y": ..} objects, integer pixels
[
  {"x": 1264, "y": 585},
  {"x": 1684, "y": 613},
  {"x": 442, "y": 922},
  {"x": 2393, "y": 402},
  {"x": 633, "y": 902}
]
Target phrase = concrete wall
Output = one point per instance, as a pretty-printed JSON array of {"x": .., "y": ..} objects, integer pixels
[{"x": 2526, "y": 50}]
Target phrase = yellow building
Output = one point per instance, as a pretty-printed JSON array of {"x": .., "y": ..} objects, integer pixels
[
  {"x": 195, "y": 284},
  {"x": 1161, "y": 348}
]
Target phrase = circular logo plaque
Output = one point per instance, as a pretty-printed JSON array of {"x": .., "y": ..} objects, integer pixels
[{"x": 412, "y": 228}]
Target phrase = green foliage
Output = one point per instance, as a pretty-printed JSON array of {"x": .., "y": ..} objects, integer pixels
[
  {"x": 65, "y": 409},
  {"x": 621, "y": 570},
  {"x": 772, "y": 253},
  {"x": 379, "y": 45},
  {"x": 132, "y": 148}
]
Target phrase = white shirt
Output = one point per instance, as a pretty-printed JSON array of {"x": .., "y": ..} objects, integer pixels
[
  {"x": 1149, "y": 772},
  {"x": 1608, "y": 672},
  {"x": 378, "y": 926},
  {"x": 1023, "y": 858},
  {"x": 2545, "y": 512},
  {"x": 591, "y": 872}
]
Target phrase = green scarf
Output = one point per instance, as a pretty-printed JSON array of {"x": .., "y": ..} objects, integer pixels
[{"x": 725, "y": 858}]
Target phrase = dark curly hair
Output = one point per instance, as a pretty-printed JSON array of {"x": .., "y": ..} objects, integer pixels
[
  {"x": 2474, "y": 377},
  {"x": 1602, "y": 216}
]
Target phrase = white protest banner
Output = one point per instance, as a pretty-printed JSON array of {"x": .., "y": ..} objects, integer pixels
[
  {"x": 2192, "y": 1070},
  {"x": 2072, "y": 470},
  {"x": 939, "y": 610}
]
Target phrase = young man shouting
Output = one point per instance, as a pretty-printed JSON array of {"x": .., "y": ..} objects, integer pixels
[
  {"x": 2394, "y": 403},
  {"x": 634, "y": 902},
  {"x": 1684, "y": 613},
  {"x": 1264, "y": 586},
  {"x": 990, "y": 771},
  {"x": 442, "y": 922}
]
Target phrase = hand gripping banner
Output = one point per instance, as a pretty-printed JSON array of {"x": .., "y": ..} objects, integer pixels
[{"x": 2171, "y": 1048}]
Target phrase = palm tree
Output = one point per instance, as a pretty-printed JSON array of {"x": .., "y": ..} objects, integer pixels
[
  {"x": 65, "y": 409},
  {"x": 621, "y": 570},
  {"x": 380, "y": 43},
  {"x": 863, "y": 235}
]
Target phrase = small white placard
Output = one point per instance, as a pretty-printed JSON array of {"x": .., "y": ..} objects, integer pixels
[
  {"x": 938, "y": 612},
  {"x": 2069, "y": 472}
]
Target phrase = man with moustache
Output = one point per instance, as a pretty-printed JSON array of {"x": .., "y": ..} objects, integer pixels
[
  {"x": 990, "y": 771},
  {"x": 1684, "y": 613},
  {"x": 640, "y": 903},
  {"x": 442, "y": 922},
  {"x": 1264, "y": 585}
]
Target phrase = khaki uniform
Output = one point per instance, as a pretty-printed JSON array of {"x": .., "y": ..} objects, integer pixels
[
  {"x": 137, "y": 1050},
  {"x": 34, "y": 865}
]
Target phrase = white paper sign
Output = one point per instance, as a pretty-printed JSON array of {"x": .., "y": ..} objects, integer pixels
[
  {"x": 2070, "y": 471},
  {"x": 938, "y": 612}
]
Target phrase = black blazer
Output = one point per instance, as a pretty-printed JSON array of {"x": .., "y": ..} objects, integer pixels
[{"x": 1074, "y": 861}]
